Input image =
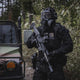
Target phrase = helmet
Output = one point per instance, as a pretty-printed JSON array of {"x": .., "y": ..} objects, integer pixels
[{"x": 48, "y": 13}]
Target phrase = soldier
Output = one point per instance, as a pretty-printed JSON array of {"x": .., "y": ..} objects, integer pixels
[{"x": 58, "y": 43}]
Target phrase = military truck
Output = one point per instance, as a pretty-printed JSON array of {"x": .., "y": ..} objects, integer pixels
[{"x": 12, "y": 65}]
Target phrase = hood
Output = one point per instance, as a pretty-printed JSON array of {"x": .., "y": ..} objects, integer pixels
[{"x": 7, "y": 51}]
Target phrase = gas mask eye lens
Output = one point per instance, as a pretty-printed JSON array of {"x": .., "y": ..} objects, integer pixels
[{"x": 48, "y": 16}]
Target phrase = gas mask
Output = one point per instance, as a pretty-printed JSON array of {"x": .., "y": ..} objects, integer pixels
[
  {"x": 47, "y": 24},
  {"x": 48, "y": 17}
]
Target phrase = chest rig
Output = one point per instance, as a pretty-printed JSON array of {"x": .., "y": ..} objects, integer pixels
[{"x": 52, "y": 41}]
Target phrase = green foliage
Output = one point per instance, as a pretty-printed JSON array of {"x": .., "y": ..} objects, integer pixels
[
  {"x": 38, "y": 5},
  {"x": 68, "y": 15},
  {"x": 12, "y": 12},
  {"x": 68, "y": 12},
  {"x": 4, "y": 17},
  {"x": 26, "y": 5},
  {"x": 15, "y": 12}
]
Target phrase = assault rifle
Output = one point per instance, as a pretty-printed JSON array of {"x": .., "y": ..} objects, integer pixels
[{"x": 40, "y": 45}]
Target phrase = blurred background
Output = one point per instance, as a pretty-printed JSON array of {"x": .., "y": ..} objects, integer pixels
[{"x": 68, "y": 12}]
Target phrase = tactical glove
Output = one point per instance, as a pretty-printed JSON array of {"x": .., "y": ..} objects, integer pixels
[{"x": 52, "y": 53}]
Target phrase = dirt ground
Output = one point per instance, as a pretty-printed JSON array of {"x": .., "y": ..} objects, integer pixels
[{"x": 28, "y": 72}]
